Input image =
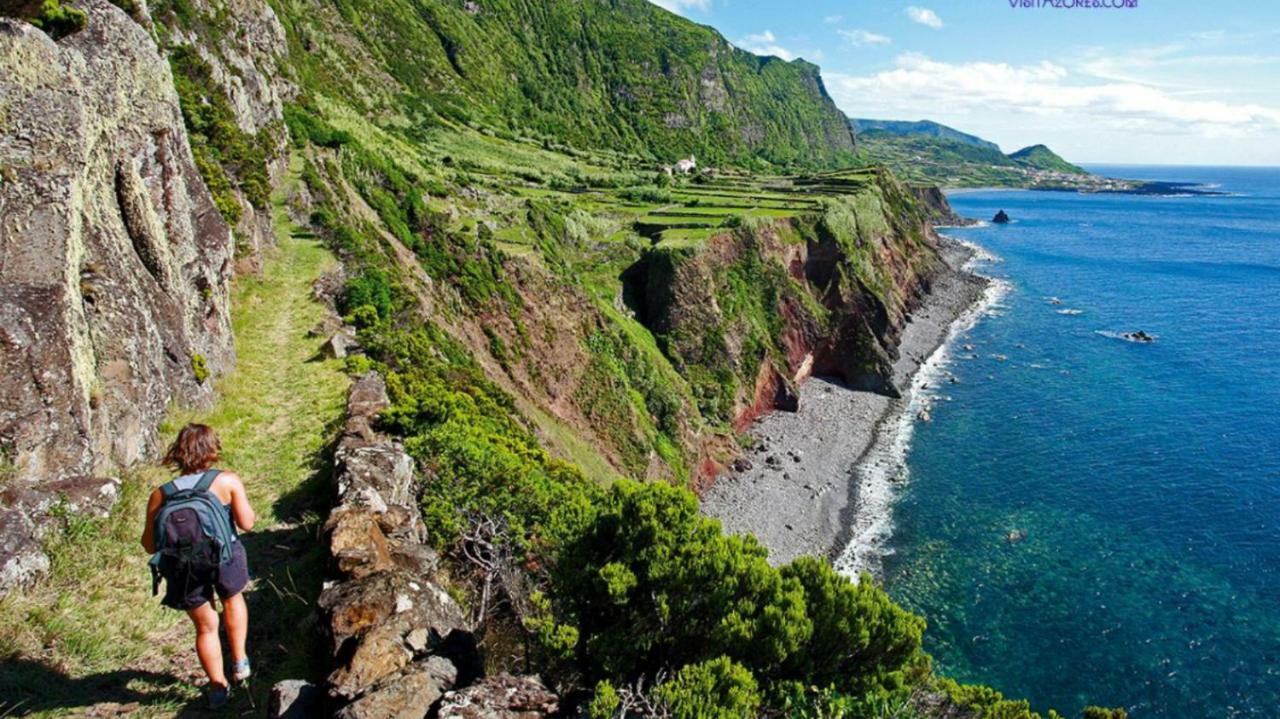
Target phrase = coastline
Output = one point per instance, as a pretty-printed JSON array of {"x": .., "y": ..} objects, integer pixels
[{"x": 820, "y": 481}]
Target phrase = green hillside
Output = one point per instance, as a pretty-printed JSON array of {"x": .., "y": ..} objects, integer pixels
[
  {"x": 920, "y": 127},
  {"x": 1041, "y": 157},
  {"x": 621, "y": 75},
  {"x": 923, "y": 153}
]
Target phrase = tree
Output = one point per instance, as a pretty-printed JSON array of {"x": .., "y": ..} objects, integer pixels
[
  {"x": 652, "y": 585},
  {"x": 860, "y": 638}
]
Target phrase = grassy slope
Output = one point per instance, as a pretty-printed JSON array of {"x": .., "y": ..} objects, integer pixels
[
  {"x": 926, "y": 159},
  {"x": 1041, "y": 157},
  {"x": 91, "y": 635},
  {"x": 621, "y": 76}
]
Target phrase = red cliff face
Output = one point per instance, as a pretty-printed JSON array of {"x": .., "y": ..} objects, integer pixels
[{"x": 757, "y": 310}]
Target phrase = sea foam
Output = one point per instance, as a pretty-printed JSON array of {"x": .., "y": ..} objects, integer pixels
[{"x": 882, "y": 469}]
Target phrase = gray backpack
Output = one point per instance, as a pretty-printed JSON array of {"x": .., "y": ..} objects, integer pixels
[{"x": 193, "y": 533}]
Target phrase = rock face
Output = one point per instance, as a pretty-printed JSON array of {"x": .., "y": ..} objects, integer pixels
[
  {"x": 938, "y": 208},
  {"x": 246, "y": 57},
  {"x": 114, "y": 266}
]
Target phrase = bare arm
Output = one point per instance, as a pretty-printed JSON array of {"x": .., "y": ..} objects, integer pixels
[
  {"x": 241, "y": 510},
  {"x": 149, "y": 529}
]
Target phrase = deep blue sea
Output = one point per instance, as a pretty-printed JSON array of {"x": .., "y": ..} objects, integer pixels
[{"x": 1146, "y": 477}]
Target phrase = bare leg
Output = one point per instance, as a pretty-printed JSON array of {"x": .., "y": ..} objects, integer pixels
[
  {"x": 236, "y": 614},
  {"x": 208, "y": 646}
]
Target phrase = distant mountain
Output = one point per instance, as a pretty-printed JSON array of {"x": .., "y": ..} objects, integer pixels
[
  {"x": 1042, "y": 158},
  {"x": 929, "y": 153},
  {"x": 920, "y": 127}
]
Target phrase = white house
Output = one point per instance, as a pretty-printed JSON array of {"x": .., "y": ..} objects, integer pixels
[{"x": 686, "y": 166}]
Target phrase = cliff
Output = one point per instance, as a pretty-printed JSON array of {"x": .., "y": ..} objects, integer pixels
[
  {"x": 622, "y": 76},
  {"x": 114, "y": 266},
  {"x": 758, "y": 309},
  {"x": 937, "y": 208}
]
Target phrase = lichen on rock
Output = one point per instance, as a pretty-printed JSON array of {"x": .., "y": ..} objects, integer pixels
[{"x": 115, "y": 265}]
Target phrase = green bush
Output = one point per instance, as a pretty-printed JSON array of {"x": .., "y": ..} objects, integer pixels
[
  {"x": 370, "y": 288},
  {"x": 1103, "y": 713},
  {"x": 861, "y": 639},
  {"x": 305, "y": 126},
  {"x": 59, "y": 20},
  {"x": 199, "y": 367},
  {"x": 651, "y": 585},
  {"x": 716, "y": 689}
]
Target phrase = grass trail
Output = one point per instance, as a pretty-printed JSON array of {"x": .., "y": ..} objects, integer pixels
[{"x": 90, "y": 640}]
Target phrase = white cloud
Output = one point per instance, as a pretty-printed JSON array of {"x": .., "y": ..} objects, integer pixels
[
  {"x": 1047, "y": 90},
  {"x": 681, "y": 6},
  {"x": 1046, "y": 94},
  {"x": 833, "y": 19},
  {"x": 924, "y": 16},
  {"x": 764, "y": 43},
  {"x": 864, "y": 37}
]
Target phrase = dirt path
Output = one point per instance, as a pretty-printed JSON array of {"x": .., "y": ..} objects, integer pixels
[{"x": 91, "y": 640}]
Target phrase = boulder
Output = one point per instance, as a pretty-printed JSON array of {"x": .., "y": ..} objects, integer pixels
[
  {"x": 374, "y": 656},
  {"x": 295, "y": 699},
  {"x": 357, "y": 544},
  {"x": 1001, "y": 218},
  {"x": 502, "y": 696},
  {"x": 377, "y": 476},
  {"x": 408, "y": 695},
  {"x": 336, "y": 346},
  {"x": 394, "y": 598},
  {"x": 367, "y": 396}
]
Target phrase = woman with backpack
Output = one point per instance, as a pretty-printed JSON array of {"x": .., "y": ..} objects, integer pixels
[{"x": 191, "y": 531}]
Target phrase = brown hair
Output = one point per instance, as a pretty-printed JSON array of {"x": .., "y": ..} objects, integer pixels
[{"x": 195, "y": 449}]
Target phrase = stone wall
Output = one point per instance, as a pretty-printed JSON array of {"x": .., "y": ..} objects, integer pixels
[{"x": 401, "y": 644}]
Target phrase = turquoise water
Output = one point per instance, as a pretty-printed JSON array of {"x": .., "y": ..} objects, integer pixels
[{"x": 1145, "y": 476}]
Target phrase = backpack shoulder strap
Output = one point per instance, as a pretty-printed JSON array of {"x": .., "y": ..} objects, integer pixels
[
  {"x": 168, "y": 489},
  {"x": 206, "y": 480}
]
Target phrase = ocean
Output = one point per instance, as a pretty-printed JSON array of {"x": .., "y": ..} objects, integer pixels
[{"x": 1092, "y": 520}]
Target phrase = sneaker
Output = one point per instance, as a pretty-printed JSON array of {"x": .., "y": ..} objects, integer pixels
[
  {"x": 218, "y": 696},
  {"x": 240, "y": 670}
]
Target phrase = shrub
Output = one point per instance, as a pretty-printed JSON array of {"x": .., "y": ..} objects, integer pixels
[
  {"x": 648, "y": 193},
  {"x": 651, "y": 584},
  {"x": 199, "y": 367},
  {"x": 860, "y": 636},
  {"x": 59, "y": 20},
  {"x": 363, "y": 317},
  {"x": 371, "y": 288},
  {"x": 304, "y": 127},
  {"x": 716, "y": 689},
  {"x": 1102, "y": 713}
]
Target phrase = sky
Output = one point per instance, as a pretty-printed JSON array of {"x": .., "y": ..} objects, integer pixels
[{"x": 1164, "y": 82}]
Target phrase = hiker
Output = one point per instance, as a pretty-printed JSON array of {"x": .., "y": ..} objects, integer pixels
[{"x": 191, "y": 532}]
